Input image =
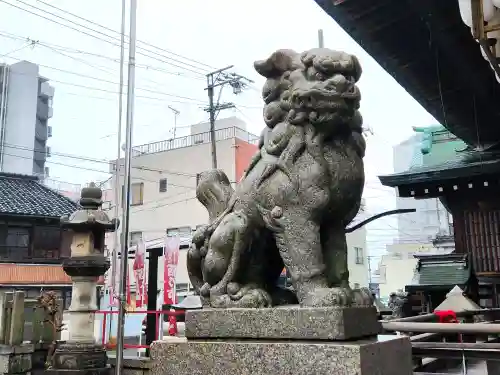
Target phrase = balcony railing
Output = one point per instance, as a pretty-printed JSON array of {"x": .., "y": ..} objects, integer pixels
[{"x": 195, "y": 139}]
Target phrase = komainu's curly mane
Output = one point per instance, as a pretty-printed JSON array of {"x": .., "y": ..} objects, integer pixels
[{"x": 318, "y": 88}]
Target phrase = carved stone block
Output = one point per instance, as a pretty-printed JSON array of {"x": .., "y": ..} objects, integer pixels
[
  {"x": 291, "y": 322},
  {"x": 365, "y": 357},
  {"x": 77, "y": 356}
]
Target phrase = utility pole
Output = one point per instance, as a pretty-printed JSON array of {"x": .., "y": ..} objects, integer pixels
[
  {"x": 176, "y": 113},
  {"x": 220, "y": 78},
  {"x": 321, "y": 42},
  {"x": 126, "y": 202}
]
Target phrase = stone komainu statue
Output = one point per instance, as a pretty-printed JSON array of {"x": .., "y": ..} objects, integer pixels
[
  {"x": 299, "y": 192},
  {"x": 400, "y": 305}
]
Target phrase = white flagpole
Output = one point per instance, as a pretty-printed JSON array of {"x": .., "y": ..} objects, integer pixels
[
  {"x": 116, "y": 245},
  {"x": 127, "y": 178}
]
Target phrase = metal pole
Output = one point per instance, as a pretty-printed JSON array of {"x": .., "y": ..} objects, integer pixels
[
  {"x": 117, "y": 166},
  {"x": 467, "y": 328},
  {"x": 126, "y": 208},
  {"x": 211, "y": 109},
  {"x": 321, "y": 41}
]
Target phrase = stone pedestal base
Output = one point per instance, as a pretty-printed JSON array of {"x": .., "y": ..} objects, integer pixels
[
  {"x": 79, "y": 358},
  {"x": 294, "y": 323},
  {"x": 16, "y": 359},
  {"x": 203, "y": 357},
  {"x": 89, "y": 371}
]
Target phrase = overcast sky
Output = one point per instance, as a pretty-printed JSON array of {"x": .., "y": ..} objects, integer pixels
[{"x": 212, "y": 34}]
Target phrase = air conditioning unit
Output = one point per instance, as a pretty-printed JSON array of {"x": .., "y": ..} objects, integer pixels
[
  {"x": 49, "y": 131},
  {"x": 47, "y": 151}
]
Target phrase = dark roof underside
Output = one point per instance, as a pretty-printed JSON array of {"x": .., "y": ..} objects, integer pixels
[
  {"x": 25, "y": 196},
  {"x": 427, "y": 48}
]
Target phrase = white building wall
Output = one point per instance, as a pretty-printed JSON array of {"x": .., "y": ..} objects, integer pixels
[
  {"x": 397, "y": 267},
  {"x": 431, "y": 217},
  {"x": 358, "y": 271},
  {"x": 395, "y": 274},
  {"x": 21, "y": 118},
  {"x": 22, "y": 132},
  {"x": 223, "y": 123},
  {"x": 178, "y": 206}
]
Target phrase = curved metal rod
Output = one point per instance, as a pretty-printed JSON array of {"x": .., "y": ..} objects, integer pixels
[
  {"x": 378, "y": 216},
  {"x": 492, "y": 59}
]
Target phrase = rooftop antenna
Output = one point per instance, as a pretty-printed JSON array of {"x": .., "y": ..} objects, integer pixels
[
  {"x": 321, "y": 41},
  {"x": 176, "y": 113}
]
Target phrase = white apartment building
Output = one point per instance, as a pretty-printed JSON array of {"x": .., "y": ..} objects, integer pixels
[
  {"x": 163, "y": 187},
  {"x": 25, "y": 108},
  {"x": 431, "y": 218}
]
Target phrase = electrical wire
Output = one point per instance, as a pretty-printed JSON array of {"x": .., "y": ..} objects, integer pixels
[
  {"x": 163, "y": 58},
  {"x": 60, "y": 49},
  {"x": 18, "y": 49},
  {"x": 117, "y": 32},
  {"x": 198, "y": 101},
  {"x": 103, "y": 161}
]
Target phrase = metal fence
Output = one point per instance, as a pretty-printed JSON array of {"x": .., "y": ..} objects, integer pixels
[{"x": 195, "y": 139}]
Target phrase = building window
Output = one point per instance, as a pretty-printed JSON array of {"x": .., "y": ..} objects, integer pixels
[
  {"x": 163, "y": 185},
  {"x": 181, "y": 232},
  {"x": 135, "y": 238},
  {"x": 46, "y": 242},
  {"x": 358, "y": 254},
  {"x": 136, "y": 193},
  {"x": 14, "y": 243}
]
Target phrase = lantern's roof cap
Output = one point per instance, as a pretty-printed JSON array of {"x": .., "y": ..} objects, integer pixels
[{"x": 90, "y": 216}]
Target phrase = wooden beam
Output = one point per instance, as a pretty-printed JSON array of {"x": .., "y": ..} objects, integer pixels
[{"x": 477, "y": 19}]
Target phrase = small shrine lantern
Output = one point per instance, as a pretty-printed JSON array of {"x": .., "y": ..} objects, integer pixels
[{"x": 86, "y": 264}]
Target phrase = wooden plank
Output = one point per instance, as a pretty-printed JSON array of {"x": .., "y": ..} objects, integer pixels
[
  {"x": 7, "y": 315},
  {"x": 3, "y": 313},
  {"x": 17, "y": 319},
  {"x": 38, "y": 316},
  {"x": 477, "y": 19}
]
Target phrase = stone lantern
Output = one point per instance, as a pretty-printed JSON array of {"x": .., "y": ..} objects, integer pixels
[{"x": 87, "y": 263}]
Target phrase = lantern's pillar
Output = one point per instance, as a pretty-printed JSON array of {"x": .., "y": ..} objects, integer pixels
[{"x": 81, "y": 353}]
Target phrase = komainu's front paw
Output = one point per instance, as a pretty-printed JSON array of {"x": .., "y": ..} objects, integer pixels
[
  {"x": 328, "y": 297},
  {"x": 254, "y": 298},
  {"x": 363, "y": 297}
]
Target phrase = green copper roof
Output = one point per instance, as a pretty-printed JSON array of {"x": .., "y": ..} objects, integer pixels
[
  {"x": 444, "y": 157},
  {"x": 441, "y": 271}
]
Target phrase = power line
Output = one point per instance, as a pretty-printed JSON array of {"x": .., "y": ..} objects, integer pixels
[
  {"x": 107, "y": 81},
  {"x": 97, "y": 37},
  {"x": 115, "y": 31},
  {"x": 104, "y": 161},
  {"x": 58, "y": 48},
  {"x": 29, "y": 44}
]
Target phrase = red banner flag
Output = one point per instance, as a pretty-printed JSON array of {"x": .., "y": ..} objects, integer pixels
[
  {"x": 139, "y": 268},
  {"x": 129, "y": 297},
  {"x": 171, "y": 259}
]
